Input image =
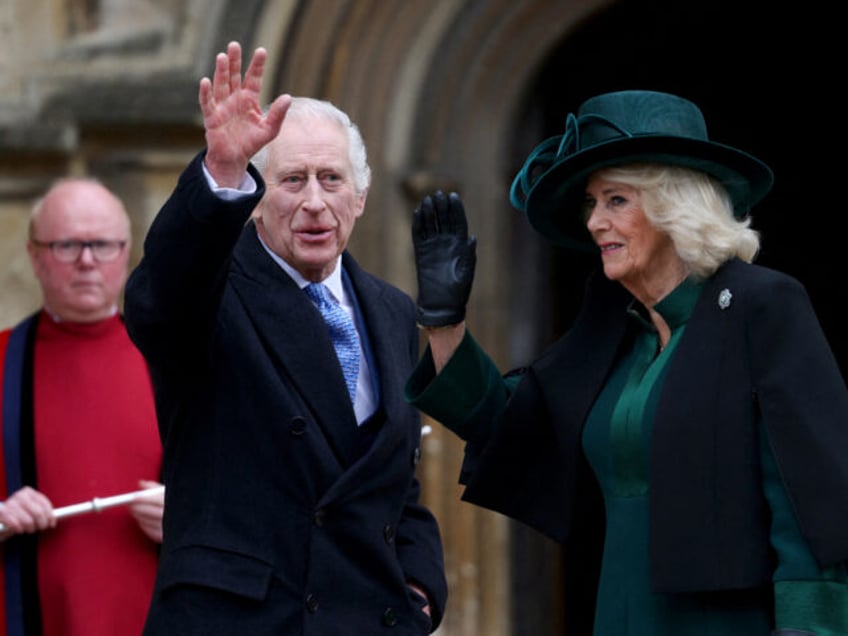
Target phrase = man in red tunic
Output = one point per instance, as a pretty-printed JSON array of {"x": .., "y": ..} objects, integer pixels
[{"x": 78, "y": 423}]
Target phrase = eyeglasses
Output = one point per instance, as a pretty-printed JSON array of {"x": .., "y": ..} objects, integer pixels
[{"x": 69, "y": 251}]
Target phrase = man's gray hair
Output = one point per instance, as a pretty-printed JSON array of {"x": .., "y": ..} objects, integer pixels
[{"x": 308, "y": 107}]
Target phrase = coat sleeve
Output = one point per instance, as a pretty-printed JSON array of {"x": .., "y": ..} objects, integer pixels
[
  {"x": 420, "y": 552},
  {"x": 171, "y": 294},
  {"x": 419, "y": 544},
  {"x": 803, "y": 402},
  {"x": 805, "y": 596}
]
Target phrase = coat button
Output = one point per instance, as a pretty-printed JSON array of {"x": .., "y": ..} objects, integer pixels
[
  {"x": 389, "y": 618},
  {"x": 319, "y": 516},
  {"x": 297, "y": 426},
  {"x": 389, "y": 533},
  {"x": 311, "y": 603},
  {"x": 416, "y": 456}
]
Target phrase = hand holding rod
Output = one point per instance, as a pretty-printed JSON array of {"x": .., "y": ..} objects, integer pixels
[{"x": 100, "y": 503}]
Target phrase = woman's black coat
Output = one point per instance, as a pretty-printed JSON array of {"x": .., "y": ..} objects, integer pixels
[{"x": 761, "y": 363}]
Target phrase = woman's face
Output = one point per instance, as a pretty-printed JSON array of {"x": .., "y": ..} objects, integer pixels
[{"x": 633, "y": 251}]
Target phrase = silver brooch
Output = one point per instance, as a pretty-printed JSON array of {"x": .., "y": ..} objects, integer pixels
[{"x": 724, "y": 298}]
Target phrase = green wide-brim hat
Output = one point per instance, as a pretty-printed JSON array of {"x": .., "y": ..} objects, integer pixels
[{"x": 619, "y": 128}]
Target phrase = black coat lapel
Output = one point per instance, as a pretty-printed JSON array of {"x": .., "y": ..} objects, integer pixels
[{"x": 297, "y": 340}]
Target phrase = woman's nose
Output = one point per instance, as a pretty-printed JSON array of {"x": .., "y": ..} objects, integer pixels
[{"x": 592, "y": 217}]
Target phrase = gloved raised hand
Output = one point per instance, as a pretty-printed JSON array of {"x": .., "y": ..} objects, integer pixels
[{"x": 445, "y": 257}]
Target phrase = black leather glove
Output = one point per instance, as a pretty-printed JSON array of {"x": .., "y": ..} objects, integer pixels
[{"x": 445, "y": 257}]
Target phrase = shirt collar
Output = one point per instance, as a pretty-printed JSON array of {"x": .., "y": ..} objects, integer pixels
[
  {"x": 333, "y": 281},
  {"x": 676, "y": 308}
]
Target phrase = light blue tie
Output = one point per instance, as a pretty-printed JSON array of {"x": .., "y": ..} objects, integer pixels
[{"x": 342, "y": 333}]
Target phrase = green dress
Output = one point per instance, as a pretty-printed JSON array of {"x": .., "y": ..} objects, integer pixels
[{"x": 616, "y": 439}]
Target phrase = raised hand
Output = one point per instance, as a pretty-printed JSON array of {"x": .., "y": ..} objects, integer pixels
[
  {"x": 236, "y": 126},
  {"x": 445, "y": 257}
]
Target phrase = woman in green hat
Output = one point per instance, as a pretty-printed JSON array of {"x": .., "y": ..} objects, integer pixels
[{"x": 686, "y": 440}]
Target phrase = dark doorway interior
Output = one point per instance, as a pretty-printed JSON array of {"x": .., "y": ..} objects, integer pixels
[{"x": 762, "y": 74}]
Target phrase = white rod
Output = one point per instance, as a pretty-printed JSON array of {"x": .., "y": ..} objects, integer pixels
[{"x": 99, "y": 503}]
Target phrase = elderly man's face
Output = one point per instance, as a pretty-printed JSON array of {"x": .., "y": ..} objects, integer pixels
[{"x": 310, "y": 204}]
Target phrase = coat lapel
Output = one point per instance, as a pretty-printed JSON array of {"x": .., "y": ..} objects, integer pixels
[{"x": 297, "y": 340}]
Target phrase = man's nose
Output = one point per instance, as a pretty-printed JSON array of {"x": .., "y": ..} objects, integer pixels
[
  {"x": 314, "y": 199},
  {"x": 87, "y": 254}
]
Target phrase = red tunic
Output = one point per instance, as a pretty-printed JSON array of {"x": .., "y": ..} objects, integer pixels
[{"x": 95, "y": 436}]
